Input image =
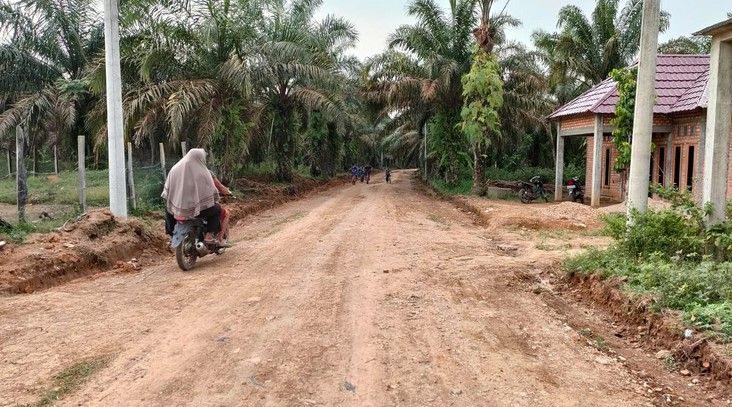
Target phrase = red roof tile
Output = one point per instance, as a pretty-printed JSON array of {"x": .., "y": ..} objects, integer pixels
[{"x": 681, "y": 82}]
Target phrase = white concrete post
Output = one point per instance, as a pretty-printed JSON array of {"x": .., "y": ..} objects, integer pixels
[
  {"x": 559, "y": 163},
  {"x": 719, "y": 116},
  {"x": 81, "y": 149},
  {"x": 55, "y": 159},
  {"x": 10, "y": 166},
  {"x": 645, "y": 99},
  {"x": 183, "y": 148},
  {"x": 115, "y": 129},
  {"x": 131, "y": 177},
  {"x": 597, "y": 161},
  {"x": 162, "y": 160},
  {"x": 21, "y": 175}
]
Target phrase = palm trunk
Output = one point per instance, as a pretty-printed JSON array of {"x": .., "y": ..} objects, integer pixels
[
  {"x": 283, "y": 144},
  {"x": 479, "y": 187}
]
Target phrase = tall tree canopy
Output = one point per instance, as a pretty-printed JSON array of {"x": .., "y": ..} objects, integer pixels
[{"x": 587, "y": 48}]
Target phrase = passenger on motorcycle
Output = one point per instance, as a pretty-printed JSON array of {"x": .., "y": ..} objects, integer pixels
[{"x": 190, "y": 192}]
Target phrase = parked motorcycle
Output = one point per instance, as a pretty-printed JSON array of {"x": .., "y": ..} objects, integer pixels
[
  {"x": 533, "y": 190},
  {"x": 576, "y": 192},
  {"x": 190, "y": 244}
]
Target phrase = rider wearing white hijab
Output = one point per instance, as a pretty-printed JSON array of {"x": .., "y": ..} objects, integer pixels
[{"x": 190, "y": 188}]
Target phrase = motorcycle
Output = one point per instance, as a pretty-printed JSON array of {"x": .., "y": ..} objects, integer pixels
[
  {"x": 533, "y": 190},
  {"x": 190, "y": 244},
  {"x": 576, "y": 192}
]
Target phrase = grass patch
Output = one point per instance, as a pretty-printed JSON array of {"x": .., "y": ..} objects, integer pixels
[
  {"x": 64, "y": 188},
  {"x": 19, "y": 232},
  {"x": 69, "y": 380},
  {"x": 461, "y": 187}
]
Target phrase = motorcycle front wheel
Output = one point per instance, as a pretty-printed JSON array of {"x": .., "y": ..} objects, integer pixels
[
  {"x": 525, "y": 195},
  {"x": 185, "y": 253}
]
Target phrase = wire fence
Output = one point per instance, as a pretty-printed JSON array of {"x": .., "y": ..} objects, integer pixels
[{"x": 57, "y": 179}]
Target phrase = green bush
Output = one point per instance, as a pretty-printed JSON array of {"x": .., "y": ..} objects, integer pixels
[
  {"x": 667, "y": 232},
  {"x": 674, "y": 257}
]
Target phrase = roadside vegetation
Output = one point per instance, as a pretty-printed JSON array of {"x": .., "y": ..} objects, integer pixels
[{"x": 672, "y": 257}]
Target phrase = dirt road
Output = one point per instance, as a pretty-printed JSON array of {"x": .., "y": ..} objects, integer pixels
[{"x": 366, "y": 295}]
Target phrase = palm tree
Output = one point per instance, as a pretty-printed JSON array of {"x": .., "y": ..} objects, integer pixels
[
  {"x": 47, "y": 49},
  {"x": 420, "y": 78},
  {"x": 297, "y": 67},
  {"x": 587, "y": 49},
  {"x": 686, "y": 45},
  {"x": 235, "y": 71}
]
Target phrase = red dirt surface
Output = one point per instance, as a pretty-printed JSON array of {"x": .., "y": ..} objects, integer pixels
[{"x": 365, "y": 295}]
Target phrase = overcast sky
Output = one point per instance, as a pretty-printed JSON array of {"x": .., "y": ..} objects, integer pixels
[{"x": 375, "y": 19}]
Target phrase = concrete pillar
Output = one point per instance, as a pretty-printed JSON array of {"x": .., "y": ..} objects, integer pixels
[
  {"x": 645, "y": 99},
  {"x": 699, "y": 170},
  {"x": 115, "y": 125},
  {"x": 597, "y": 162},
  {"x": 668, "y": 176},
  {"x": 719, "y": 118},
  {"x": 559, "y": 163}
]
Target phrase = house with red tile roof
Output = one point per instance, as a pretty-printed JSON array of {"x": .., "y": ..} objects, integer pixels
[{"x": 678, "y": 131}]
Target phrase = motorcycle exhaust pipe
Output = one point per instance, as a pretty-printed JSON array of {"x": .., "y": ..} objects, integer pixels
[{"x": 201, "y": 249}]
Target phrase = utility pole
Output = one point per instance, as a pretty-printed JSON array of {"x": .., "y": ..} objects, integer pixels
[
  {"x": 645, "y": 99},
  {"x": 115, "y": 130}
]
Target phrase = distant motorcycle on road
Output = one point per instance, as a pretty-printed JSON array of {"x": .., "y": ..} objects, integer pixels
[{"x": 533, "y": 190}]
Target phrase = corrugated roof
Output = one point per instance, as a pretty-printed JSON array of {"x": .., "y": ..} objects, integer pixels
[{"x": 681, "y": 82}]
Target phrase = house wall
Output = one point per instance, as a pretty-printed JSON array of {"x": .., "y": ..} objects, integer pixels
[{"x": 685, "y": 133}]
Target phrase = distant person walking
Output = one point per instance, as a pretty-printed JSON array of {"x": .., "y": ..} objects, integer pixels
[
  {"x": 367, "y": 173},
  {"x": 387, "y": 175}
]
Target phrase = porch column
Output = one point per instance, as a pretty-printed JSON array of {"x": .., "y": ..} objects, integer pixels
[
  {"x": 668, "y": 175},
  {"x": 699, "y": 170},
  {"x": 597, "y": 162},
  {"x": 719, "y": 119},
  {"x": 559, "y": 162}
]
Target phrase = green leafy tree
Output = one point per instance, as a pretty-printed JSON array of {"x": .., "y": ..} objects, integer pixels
[
  {"x": 483, "y": 94},
  {"x": 420, "y": 78},
  {"x": 626, "y": 79}
]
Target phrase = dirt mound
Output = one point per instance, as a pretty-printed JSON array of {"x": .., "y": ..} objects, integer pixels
[
  {"x": 260, "y": 196},
  {"x": 569, "y": 211},
  {"x": 655, "y": 331},
  {"x": 653, "y": 203},
  {"x": 95, "y": 242}
]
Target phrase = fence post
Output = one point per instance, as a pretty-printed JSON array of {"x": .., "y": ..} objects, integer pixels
[
  {"x": 82, "y": 172},
  {"x": 55, "y": 159},
  {"x": 21, "y": 175},
  {"x": 10, "y": 166},
  {"x": 131, "y": 177},
  {"x": 162, "y": 160},
  {"x": 183, "y": 148},
  {"x": 33, "y": 151}
]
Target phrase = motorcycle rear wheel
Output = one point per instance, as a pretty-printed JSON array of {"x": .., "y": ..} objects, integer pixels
[
  {"x": 524, "y": 195},
  {"x": 185, "y": 253}
]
